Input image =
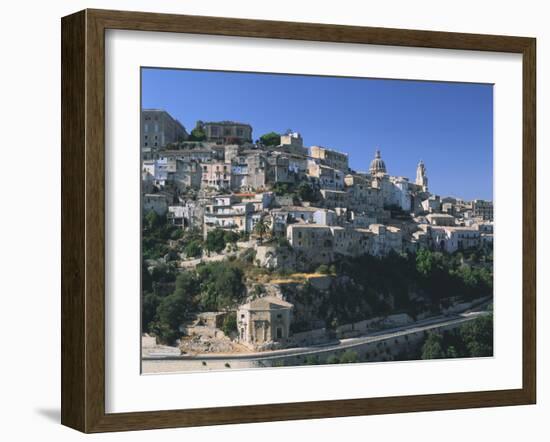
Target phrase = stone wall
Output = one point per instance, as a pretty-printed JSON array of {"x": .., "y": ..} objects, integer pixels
[
  {"x": 383, "y": 349},
  {"x": 379, "y": 323}
]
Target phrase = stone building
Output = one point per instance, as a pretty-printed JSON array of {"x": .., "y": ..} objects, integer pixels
[
  {"x": 157, "y": 171},
  {"x": 334, "y": 198},
  {"x": 364, "y": 198},
  {"x": 441, "y": 219},
  {"x": 264, "y": 320},
  {"x": 228, "y": 132},
  {"x": 202, "y": 154},
  {"x": 315, "y": 241},
  {"x": 451, "y": 239},
  {"x": 483, "y": 209},
  {"x": 432, "y": 204},
  {"x": 188, "y": 175},
  {"x": 385, "y": 239},
  {"x": 231, "y": 152},
  {"x": 320, "y": 243},
  {"x": 293, "y": 143},
  {"x": 278, "y": 170},
  {"x": 159, "y": 128},
  {"x": 326, "y": 176},
  {"x": 329, "y": 157},
  {"x": 226, "y": 212},
  {"x": 421, "y": 177},
  {"x": 186, "y": 215},
  {"x": 216, "y": 175},
  {"x": 377, "y": 166},
  {"x": 256, "y": 177}
]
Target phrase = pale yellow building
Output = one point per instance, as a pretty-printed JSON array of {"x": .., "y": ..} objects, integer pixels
[
  {"x": 264, "y": 320},
  {"x": 329, "y": 157}
]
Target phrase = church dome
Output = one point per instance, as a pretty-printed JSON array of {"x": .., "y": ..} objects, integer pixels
[{"x": 377, "y": 165}]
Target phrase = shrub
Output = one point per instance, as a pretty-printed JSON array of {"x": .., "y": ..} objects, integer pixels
[
  {"x": 193, "y": 249},
  {"x": 215, "y": 241},
  {"x": 230, "y": 323},
  {"x": 271, "y": 139},
  {"x": 349, "y": 357},
  {"x": 311, "y": 360},
  {"x": 324, "y": 269}
]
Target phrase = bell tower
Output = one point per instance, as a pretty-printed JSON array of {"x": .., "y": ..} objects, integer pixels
[{"x": 421, "y": 177}]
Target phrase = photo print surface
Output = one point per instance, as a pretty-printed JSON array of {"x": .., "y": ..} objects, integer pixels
[{"x": 292, "y": 220}]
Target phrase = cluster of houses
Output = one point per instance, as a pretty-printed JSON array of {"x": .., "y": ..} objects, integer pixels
[{"x": 226, "y": 181}]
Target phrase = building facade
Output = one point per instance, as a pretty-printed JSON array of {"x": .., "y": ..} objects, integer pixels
[
  {"x": 264, "y": 320},
  {"x": 483, "y": 209},
  {"x": 228, "y": 132},
  {"x": 329, "y": 157},
  {"x": 159, "y": 128}
]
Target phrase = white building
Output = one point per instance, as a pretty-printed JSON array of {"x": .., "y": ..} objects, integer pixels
[{"x": 451, "y": 239}]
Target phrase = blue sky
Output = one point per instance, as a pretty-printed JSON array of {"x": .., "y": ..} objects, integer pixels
[{"x": 448, "y": 125}]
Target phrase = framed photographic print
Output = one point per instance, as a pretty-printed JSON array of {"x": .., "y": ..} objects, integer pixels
[{"x": 267, "y": 220}]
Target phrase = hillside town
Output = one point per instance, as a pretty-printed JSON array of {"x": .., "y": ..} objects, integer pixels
[{"x": 291, "y": 213}]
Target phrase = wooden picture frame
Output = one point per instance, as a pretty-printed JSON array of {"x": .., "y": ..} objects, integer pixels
[{"x": 83, "y": 220}]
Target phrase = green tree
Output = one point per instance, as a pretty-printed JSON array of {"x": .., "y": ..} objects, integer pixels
[
  {"x": 323, "y": 269},
  {"x": 477, "y": 336},
  {"x": 230, "y": 323},
  {"x": 198, "y": 133},
  {"x": 433, "y": 347},
  {"x": 282, "y": 189},
  {"x": 424, "y": 262},
  {"x": 261, "y": 228},
  {"x": 306, "y": 193},
  {"x": 215, "y": 240},
  {"x": 193, "y": 249},
  {"x": 174, "y": 308},
  {"x": 149, "y": 305},
  {"x": 349, "y": 357},
  {"x": 230, "y": 237},
  {"x": 152, "y": 220},
  {"x": 176, "y": 234},
  {"x": 311, "y": 360},
  {"x": 162, "y": 273},
  {"x": 452, "y": 352},
  {"x": 333, "y": 359},
  {"x": 221, "y": 286},
  {"x": 271, "y": 139},
  {"x": 146, "y": 281}
]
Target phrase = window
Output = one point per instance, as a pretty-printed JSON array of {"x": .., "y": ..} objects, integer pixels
[{"x": 279, "y": 332}]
